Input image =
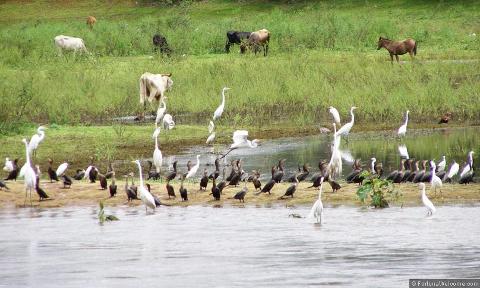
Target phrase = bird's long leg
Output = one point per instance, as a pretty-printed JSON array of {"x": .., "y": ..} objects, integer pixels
[
  {"x": 25, "y": 201},
  {"x": 31, "y": 204}
]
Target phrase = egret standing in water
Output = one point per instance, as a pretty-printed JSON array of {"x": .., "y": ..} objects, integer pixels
[
  {"x": 218, "y": 113},
  {"x": 36, "y": 140},
  {"x": 426, "y": 202},
  {"x": 335, "y": 115},
  {"x": 436, "y": 182},
  {"x": 28, "y": 174},
  {"x": 211, "y": 137},
  {"x": 335, "y": 164},
  {"x": 145, "y": 196},
  {"x": 157, "y": 154},
  {"x": 345, "y": 130},
  {"x": 403, "y": 129},
  {"x": 316, "y": 213}
]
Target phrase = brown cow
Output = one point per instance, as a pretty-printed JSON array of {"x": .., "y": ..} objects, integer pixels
[
  {"x": 91, "y": 21},
  {"x": 257, "y": 39},
  {"x": 398, "y": 47}
]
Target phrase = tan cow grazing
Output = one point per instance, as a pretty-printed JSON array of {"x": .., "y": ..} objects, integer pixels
[
  {"x": 153, "y": 86},
  {"x": 257, "y": 39},
  {"x": 91, "y": 21}
]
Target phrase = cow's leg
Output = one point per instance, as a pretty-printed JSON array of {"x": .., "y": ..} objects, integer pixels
[
  {"x": 396, "y": 57},
  {"x": 227, "y": 46},
  {"x": 266, "y": 51},
  {"x": 391, "y": 58}
]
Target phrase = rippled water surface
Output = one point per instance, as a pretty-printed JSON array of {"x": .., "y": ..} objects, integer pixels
[{"x": 236, "y": 247}]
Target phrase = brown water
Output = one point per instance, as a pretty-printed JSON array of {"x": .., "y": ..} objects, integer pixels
[{"x": 236, "y": 247}]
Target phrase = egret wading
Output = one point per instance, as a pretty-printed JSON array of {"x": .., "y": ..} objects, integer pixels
[
  {"x": 335, "y": 115},
  {"x": 403, "y": 129},
  {"x": 161, "y": 111},
  {"x": 28, "y": 174},
  {"x": 316, "y": 213},
  {"x": 145, "y": 196},
  {"x": 219, "y": 111},
  {"x": 426, "y": 202}
]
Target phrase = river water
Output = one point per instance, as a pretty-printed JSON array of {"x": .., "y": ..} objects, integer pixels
[{"x": 236, "y": 247}]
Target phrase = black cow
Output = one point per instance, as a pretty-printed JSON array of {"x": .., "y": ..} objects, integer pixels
[
  {"x": 160, "y": 42},
  {"x": 235, "y": 37}
]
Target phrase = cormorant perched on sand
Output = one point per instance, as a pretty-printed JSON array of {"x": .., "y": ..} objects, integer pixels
[
  {"x": 154, "y": 175},
  {"x": 41, "y": 193},
  {"x": 103, "y": 181},
  {"x": 14, "y": 173},
  {"x": 291, "y": 190},
  {"x": 3, "y": 185},
  {"x": 131, "y": 193},
  {"x": 256, "y": 183},
  {"x": 170, "y": 176},
  {"x": 268, "y": 187},
  {"x": 170, "y": 190},
  {"x": 51, "y": 173},
  {"x": 215, "y": 173},
  {"x": 79, "y": 175},
  {"x": 113, "y": 187},
  {"x": 241, "y": 195},
  {"x": 419, "y": 175},
  {"x": 183, "y": 191},
  {"x": 280, "y": 171},
  {"x": 67, "y": 181},
  {"x": 222, "y": 183},
  {"x": 215, "y": 191},
  {"x": 204, "y": 180}
]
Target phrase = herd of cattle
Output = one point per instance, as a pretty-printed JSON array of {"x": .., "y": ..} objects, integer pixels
[{"x": 247, "y": 40}]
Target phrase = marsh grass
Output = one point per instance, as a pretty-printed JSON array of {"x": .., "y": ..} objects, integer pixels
[{"x": 322, "y": 54}]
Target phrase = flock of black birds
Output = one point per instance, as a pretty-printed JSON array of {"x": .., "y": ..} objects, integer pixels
[{"x": 410, "y": 170}]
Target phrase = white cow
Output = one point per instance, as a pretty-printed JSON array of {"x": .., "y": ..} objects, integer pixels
[
  {"x": 153, "y": 86},
  {"x": 69, "y": 43}
]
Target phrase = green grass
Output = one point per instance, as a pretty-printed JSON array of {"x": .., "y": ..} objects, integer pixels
[{"x": 322, "y": 53}]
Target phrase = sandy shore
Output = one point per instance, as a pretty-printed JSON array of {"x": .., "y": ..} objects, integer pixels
[{"x": 83, "y": 193}]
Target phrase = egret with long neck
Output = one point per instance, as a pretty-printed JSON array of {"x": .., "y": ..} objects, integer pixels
[
  {"x": 347, "y": 127},
  {"x": 403, "y": 129},
  {"x": 157, "y": 154},
  {"x": 145, "y": 196},
  {"x": 218, "y": 113},
  {"x": 28, "y": 174}
]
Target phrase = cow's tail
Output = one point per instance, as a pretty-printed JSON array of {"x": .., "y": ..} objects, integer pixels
[{"x": 415, "y": 49}]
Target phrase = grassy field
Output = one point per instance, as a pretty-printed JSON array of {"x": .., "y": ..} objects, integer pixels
[{"x": 322, "y": 53}]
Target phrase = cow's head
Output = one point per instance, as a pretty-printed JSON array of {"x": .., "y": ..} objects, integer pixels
[{"x": 168, "y": 80}]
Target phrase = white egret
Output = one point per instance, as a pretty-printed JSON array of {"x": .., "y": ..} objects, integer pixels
[
  {"x": 426, "y": 202},
  {"x": 470, "y": 158},
  {"x": 61, "y": 169},
  {"x": 211, "y": 127},
  {"x": 316, "y": 213},
  {"x": 8, "y": 165},
  {"x": 452, "y": 171},
  {"x": 403, "y": 129},
  {"x": 168, "y": 123},
  {"x": 191, "y": 173},
  {"x": 161, "y": 111},
  {"x": 28, "y": 174},
  {"x": 218, "y": 113},
  {"x": 335, "y": 115},
  {"x": 157, "y": 154},
  {"x": 465, "y": 170},
  {"x": 156, "y": 132},
  {"x": 335, "y": 164},
  {"x": 468, "y": 165},
  {"x": 240, "y": 140},
  {"x": 36, "y": 140},
  {"x": 402, "y": 149},
  {"x": 210, "y": 138},
  {"x": 435, "y": 182},
  {"x": 347, "y": 127},
  {"x": 145, "y": 196},
  {"x": 441, "y": 165}
]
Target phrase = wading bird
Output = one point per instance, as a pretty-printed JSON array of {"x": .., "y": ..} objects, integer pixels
[
  {"x": 204, "y": 180},
  {"x": 219, "y": 111},
  {"x": 8, "y": 165},
  {"x": 403, "y": 129},
  {"x": 442, "y": 164},
  {"x": 452, "y": 171},
  {"x": 168, "y": 123},
  {"x": 183, "y": 191},
  {"x": 316, "y": 213},
  {"x": 36, "y": 140},
  {"x": 240, "y": 196},
  {"x": 51, "y": 173},
  {"x": 210, "y": 138},
  {"x": 435, "y": 181},
  {"x": 170, "y": 176},
  {"x": 211, "y": 127},
  {"x": 402, "y": 150},
  {"x": 345, "y": 130},
  {"x": 426, "y": 202},
  {"x": 14, "y": 173},
  {"x": 131, "y": 194},
  {"x": 157, "y": 154},
  {"x": 335, "y": 115},
  {"x": 290, "y": 190},
  {"x": 191, "y": 173},
  {"x": 28, "y": 174},
  {"x": 113, "y": 187},
  {"x": 145, "y": 196},
  {"x": 215, "y": 191},
  {"x": 161, "y": 111}
]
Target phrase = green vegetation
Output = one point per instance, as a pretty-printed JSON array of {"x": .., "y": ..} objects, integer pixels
[
  {"x": 380, "y": 191},
  {"x": 322, "y": 53}
]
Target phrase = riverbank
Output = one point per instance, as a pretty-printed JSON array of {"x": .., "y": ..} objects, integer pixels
[{"x": 88, "y": 194}]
